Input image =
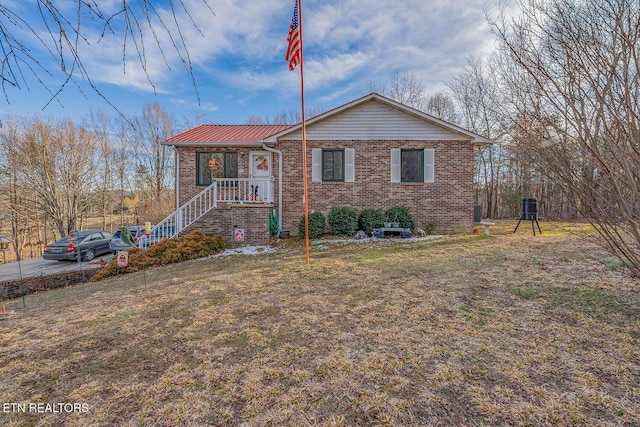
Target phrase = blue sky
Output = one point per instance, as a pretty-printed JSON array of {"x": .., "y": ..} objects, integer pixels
[{"x": 238, "y": 57}]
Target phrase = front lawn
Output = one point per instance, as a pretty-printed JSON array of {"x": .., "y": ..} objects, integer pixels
[{"x": 507, "y": 329}]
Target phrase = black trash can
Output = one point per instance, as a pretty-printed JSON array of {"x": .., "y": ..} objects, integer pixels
[{"x": 477, "y": 213}]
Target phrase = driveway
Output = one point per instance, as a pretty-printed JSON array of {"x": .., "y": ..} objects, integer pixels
[{"x": 40, "y": 267}]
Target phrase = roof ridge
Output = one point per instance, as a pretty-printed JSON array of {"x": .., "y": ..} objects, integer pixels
[{"x": 239, "y": 125}]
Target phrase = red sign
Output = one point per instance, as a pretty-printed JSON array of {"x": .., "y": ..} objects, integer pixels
[{"x": 123, "y": 259}]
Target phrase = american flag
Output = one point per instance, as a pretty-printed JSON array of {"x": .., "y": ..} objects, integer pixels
[{"x": 293, "y": 49}]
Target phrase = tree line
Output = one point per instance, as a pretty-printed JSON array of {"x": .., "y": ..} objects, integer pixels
[{"x": 56, "y": 174}]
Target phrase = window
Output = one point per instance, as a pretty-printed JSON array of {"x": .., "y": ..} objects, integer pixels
[
  {"x": 215, "y": 164},
  {"x": 412, "y": 165},
  {"x": 332, "y": 165}
]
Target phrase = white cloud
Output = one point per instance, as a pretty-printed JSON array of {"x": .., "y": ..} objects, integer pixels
[
  {"x": 343, "y": 40},
  {"x": 238, "y": 33},
  {"x": 328, "y": 70},
  {"x": 238, "y": 53}
]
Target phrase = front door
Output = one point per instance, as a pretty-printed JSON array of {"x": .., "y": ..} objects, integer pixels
[{"x": 260, "y": 172}]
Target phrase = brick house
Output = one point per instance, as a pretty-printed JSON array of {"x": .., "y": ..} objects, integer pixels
[{"x": 372, "y": 152}]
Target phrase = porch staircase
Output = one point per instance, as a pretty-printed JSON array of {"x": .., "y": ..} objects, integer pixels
[{"x": 233, "y": 190}]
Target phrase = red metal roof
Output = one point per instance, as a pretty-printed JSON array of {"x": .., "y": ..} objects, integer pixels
[{"x": 227, "y": 133}]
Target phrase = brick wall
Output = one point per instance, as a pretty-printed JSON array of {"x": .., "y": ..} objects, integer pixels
[
  {"x": 226, "y": 218},
  {"x": 448, "y": 201}
]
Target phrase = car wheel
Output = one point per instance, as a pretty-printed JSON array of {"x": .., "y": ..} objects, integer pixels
[{"x": 89, "y": 255}]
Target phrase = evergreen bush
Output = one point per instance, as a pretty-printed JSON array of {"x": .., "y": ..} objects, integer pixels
[
  {"x": 343, "y": 221},
  {"x": 371, "y": 218},
  {"x": 402, "y": 215},
  {"x": 316, "y": 225}
]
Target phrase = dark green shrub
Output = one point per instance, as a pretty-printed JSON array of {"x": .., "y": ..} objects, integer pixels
[
  {"x": 316, "y": 225},
  {"x": 371, "y": 218},
  {"x": 343, "y": 221},
  {"x": 402, "y": 215}
]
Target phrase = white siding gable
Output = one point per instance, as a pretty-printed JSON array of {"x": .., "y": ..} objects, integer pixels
[{"x": 373, "y": 120}]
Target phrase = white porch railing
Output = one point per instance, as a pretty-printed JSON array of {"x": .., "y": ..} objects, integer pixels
[
  {"x": 245, "y": 190},
  {"x": 229, "y": 190}
]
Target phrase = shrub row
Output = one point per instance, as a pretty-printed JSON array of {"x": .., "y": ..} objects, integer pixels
[
  {"x": 346, "y": 221},
  {"x": 193, "y": 246}
]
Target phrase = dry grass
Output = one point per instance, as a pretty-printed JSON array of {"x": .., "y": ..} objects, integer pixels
[{"x": 471, "y": 330}]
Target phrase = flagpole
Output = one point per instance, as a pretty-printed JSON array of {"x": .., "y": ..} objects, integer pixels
[{"x": 305, "y": 196}]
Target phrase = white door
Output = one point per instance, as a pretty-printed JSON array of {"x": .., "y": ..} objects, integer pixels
[{"x": 260, "y": 172}]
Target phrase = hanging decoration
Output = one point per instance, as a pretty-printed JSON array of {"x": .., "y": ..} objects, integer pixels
[{"x": 132, "y": 202}]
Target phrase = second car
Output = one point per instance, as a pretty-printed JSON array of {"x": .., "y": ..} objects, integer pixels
[{"x": 86, "y": 244}]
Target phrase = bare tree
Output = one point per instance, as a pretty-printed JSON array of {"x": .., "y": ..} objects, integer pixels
[
  {"x": 283, "y": 117},
  {"x": 56, "y": 167},
  {"x": 404, "y": 88},
  {"x": 55, "y": 174},
  {"x": 287, "y": 118},
  {"x": 477, "y": 93},
  {"x": 280, "y": 118},
  {"x": 12, "y": 194},
  {"x": 582, "y": 106},
  {"x": 154, "y": 161},
  {"x": 122, "y": 161},
  {"x": 102, "y": 128},
  {"x": 442, "y": 106},
  {"x": 63, "y": 32}
]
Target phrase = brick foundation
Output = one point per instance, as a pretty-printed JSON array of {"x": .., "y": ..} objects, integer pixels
[{"x": 226, "y": 218}]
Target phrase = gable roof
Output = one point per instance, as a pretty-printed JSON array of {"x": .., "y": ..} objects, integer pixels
[
  {"x": 228, "y": 135},
  {"x": 377, "y": 117},
  {"x": 372, "y": 117}
]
